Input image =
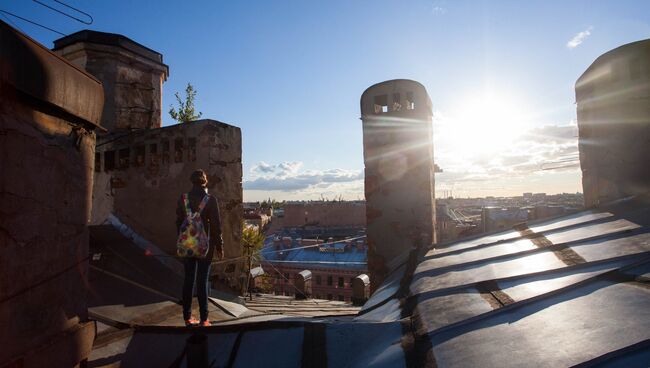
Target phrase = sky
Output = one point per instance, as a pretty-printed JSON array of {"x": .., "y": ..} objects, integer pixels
[{"x": 500, "y": 75}]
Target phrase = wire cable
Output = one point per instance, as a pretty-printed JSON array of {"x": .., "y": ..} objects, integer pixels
[
  {"x": 32, "y": 22},
  {"x": 66, "y": 14},
  {"x": 11, "y": 22},
  {"x": 309, "y": 246}
]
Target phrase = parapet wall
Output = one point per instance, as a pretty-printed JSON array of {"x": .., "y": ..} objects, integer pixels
[
  {"x": 139, "y": 177},
  {"x": 48, "y": 113}
]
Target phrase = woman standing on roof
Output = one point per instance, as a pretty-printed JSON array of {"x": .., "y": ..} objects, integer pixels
[{"x": 197, "y": 268}]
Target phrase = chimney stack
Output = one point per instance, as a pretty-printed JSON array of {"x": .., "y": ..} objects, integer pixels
[
  {"x": 613, "y": 107},
  {"x": 399, "y": 173},
  {"x": 131, "y": 74}
]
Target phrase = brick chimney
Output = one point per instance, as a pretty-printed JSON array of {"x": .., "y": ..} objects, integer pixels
[
  {"x": 399, "y": 173},
  {"x": 613, "y": 103},
  {"x": 132, "y": 76}
]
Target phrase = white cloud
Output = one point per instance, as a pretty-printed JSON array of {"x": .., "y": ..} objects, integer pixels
[
  {"x": 282, "y": 169},
  {"x": 579, "y": 38},
  {"x": 539, "y": 152},
  {"x": 288, "y": 176}
]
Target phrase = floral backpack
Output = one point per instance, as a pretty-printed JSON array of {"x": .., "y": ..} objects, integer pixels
[{"x": 193, "y": 241}]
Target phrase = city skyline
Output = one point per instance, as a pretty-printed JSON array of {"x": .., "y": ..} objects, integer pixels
[{"x": 500, "y": 77}]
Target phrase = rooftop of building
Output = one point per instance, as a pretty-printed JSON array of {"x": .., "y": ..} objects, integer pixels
[
  {"x": 572, "y": 290},
  {"x": 333, "y": 254}
]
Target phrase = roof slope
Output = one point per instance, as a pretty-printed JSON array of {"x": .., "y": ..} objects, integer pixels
[
  {"x": 569, "y": 291},
  {"x": 572, "y": 290}
]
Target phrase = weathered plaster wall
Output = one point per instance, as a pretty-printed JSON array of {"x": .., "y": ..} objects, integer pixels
[
  {"x": 399, "y": 173},
  {"x": 144, "y": 194},
  {"x": 48, "y": 111},
  {"x": 613, "y": 103}
]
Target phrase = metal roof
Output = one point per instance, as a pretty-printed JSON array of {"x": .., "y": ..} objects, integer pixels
[
  {"x": 322, "y": 256},
  {"x": 562, "y": 292},
  {"x": 570, "y": 291}
]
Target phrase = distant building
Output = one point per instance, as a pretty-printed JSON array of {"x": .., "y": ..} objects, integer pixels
[
  {"x": 321, "y": 214},
  {"x": 333, "y": 264},
  {"x": 545, "y": 211},
  {"x": 497, "y": 218},
  {"x": 256, "y": 217},
  {"x": 539, "y": 197},
  {"x": 449, "y": 228}
]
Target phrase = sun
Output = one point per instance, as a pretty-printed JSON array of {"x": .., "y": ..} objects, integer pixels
[{"x": 484, "y": 125}]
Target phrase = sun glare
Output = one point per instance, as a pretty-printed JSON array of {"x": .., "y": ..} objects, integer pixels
[{"x": 485, "y": 125}]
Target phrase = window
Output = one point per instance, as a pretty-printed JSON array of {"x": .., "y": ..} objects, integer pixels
[
  {"x": 139, "y": 155},
  {"x": 191, "y": 149},
  {"x": 329, "y": 297},
  {"x": 351, "y": 279},
  {"x": 178, "y": 150},
  {"x": 165, "y": 152},
  {"x": 317, "y": 296},
  {"x": 397, "y": 102},
  {"x": 98, "y": 162},
  {"x": 109, "y": 160},
  {"x": 318, "y": 280},
  {"x": 410, "y": 101},
  {"x": 123, "y": 158},
  {"x": 329, "y": 281},
  {"x": 341, "y": 298},
  {"x": 153, "y": 154},
  {"x": 341, "y": 281},
  {"x": 381, "y": 104}
]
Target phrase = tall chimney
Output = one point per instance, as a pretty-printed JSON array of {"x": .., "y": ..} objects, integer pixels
[
  {"x": 613, "y": 98},
  {"x": 399, "y": 173},
  {"x": 132, "y": 76}
]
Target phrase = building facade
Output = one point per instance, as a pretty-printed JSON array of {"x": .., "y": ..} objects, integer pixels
[
  {"x": 321, "y": 213},
  {"x": 333, "y": 263}
]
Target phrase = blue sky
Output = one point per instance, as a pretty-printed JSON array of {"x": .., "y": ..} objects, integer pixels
[{"x": 290, "y": 73}]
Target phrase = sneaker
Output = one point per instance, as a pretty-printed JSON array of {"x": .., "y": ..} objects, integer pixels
[
  {"x": 206, "y": 323},
  {"x": 191, "y": 322}
]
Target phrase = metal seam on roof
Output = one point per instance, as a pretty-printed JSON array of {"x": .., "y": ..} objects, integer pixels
[
  {"x": 613, "y": 277},
  {"x": 492, "y": 293},
  {"x": 561, "y": 251}
]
